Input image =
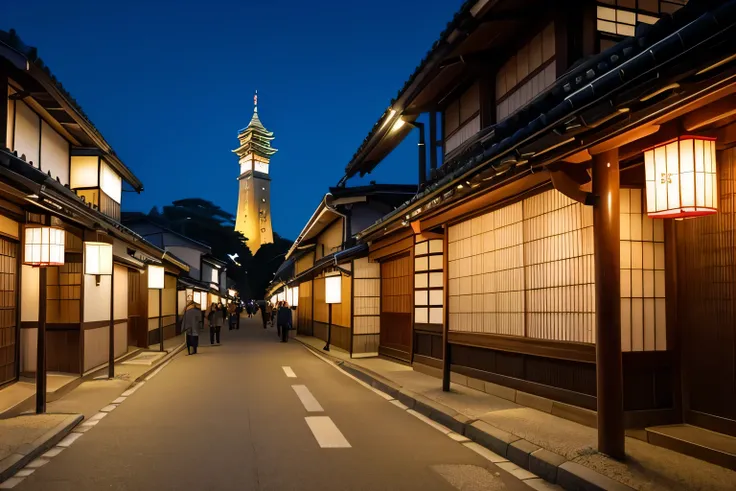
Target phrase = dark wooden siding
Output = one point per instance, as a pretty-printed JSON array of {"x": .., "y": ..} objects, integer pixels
[
  {"x": 706, "y": 304},
  {"x": 8, "y": 308},
  {"x": 396, "y": 305}
]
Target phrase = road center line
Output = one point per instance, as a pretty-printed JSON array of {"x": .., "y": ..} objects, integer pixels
[
  {"x": 308, "y": 400},
  {"x": 326, "y": 432},
  {"x": 289, "y": 372}
]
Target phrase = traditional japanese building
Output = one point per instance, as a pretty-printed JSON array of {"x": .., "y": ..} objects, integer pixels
[
  {"x": 571, "y": 246},
  {"x": 253, "y": 217}
]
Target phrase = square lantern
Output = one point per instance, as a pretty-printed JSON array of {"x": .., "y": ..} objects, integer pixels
[
  {"x": 44, "y": 246},
  {"x": 203, "y": 303},
  {"x": 295, "y": 297},
  {"x": 333, "y": 289},
  {"x": 155, "y": 277},
  {"x": 681, "y": 178},
  {"x": 97, "y": 258}
]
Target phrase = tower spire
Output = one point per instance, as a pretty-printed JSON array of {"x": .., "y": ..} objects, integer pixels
[{"x": 255, "y": 102}]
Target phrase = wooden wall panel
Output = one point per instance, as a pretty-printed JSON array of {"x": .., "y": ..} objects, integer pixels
[
  {"x": 8, "y": 309},
  {"x": 64, "y": 291},
  {"x": 304, "y": 311},
  {"x": 367, "y": 305},
  {"x": 706, "y": 306},
  {"x": 396, "y": 304},
  {"x": 320, "y": 307}
]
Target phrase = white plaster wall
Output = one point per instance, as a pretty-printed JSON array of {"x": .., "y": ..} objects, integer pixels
[
  {"x": 29, "y": 294},
  {"x": 54, "y": 153},
  {"x": 153, "y": 303},
  {"x": 96, "y": 299},
  {"x": 28, "y": 340},
  {"x": 121, "y": 292},
  {"x": 190, "y": 256}
]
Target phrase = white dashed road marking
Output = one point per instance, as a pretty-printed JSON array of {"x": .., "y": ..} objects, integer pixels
[
  {"x": 326, "y": 433},
  {"x": 289, "y": 372},
  {"x": 69, "y": 439},
  {"x": 308, "y": 400}
]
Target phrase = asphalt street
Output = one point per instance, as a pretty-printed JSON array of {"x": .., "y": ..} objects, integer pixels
[{"x": 229, "y": 418}]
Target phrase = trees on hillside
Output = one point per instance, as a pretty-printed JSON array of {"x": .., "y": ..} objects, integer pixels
[{"x": 206, "y": 222}]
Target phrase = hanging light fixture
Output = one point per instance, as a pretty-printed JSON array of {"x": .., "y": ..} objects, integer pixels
[
  {"x": 333, "y": 289},
  {"x": 681, "y": 178},
  {"x": 295, "y": 296},
  {"x": 97, "y": 259},
  {"x": 155, "y": 277},
  {"x": 44, "y": 246}
]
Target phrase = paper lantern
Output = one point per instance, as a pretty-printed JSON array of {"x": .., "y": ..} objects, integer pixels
[
  {"x": 681, "y": 178},
  {"x": 295, "y": 297},
  {"x": 97, "y": 258},
  {"x": 155, "y": 277},
  {"x": 203, "y": 303},
  {"x": 44, "y": 246},
  {"x": 333, "y": 289}
]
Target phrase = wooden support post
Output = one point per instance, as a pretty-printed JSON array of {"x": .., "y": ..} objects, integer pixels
[
  {"x": 608, "y": 304},
  {"x": 446, "y": 358},
  {"x": 329, "y": 327},
  {"x": 161, "y": 319},
  {"x": 41, "y": 344},
  {"x": 111, "y": 340}
]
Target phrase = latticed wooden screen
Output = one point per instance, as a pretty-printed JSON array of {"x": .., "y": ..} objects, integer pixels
[{"x": 8, "y": 324}]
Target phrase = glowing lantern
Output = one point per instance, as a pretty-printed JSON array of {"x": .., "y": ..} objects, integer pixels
[
  {"x": 333, "y": 289},
  {"x": 155, "y": 277},
  {"x": 681, "y": 178},
  {"x": 97, "y": 258},
  {"x": 44, "y": 246},
  {"x": 295, "y": 297}
]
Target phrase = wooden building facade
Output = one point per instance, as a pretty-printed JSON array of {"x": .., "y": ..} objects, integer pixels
[
  {"x": 546, "y": 253},
  {"x": 57, "y": 170}
]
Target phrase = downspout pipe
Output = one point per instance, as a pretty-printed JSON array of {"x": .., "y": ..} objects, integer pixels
[
  {"x": 422, "y": 153},
  {"x": 347, "y": 236},
  {"x": 432, "y": 144}
]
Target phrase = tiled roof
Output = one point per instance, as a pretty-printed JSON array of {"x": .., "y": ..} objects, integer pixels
[
  {"x": 622, "y": 66},
  {"x": 449, "y": 28},
  {"x": 11, "y": 39}
]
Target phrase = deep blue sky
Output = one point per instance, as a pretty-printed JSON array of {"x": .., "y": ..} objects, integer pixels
[{"x": 170, "y": 83}]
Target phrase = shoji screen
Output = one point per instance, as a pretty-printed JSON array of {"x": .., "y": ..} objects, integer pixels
[
  {"x": 643, "y": 326},
  {"x": 486, "y": 273},
  {"x": 429, "y": 290},
  {"x": 525, "y": 270},
  {"x": 367, "y": 309},
  {"x": 559, "y": 270}
]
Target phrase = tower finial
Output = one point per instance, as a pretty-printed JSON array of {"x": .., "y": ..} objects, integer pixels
[{"x": 255, "y": 102}]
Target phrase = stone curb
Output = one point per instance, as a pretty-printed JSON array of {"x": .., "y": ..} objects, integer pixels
[
  {"x": 171, "y": 354},
  {"x": 547, "y": 465},
  {"x": 30, "y": 451}
]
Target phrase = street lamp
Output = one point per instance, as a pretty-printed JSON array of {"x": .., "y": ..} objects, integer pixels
[
  {"x": 156, "y": 282},
  {"x": 98, "y": 262},
  {"x": 44, "y": 247},
  {"x": 333, "y": 294}
]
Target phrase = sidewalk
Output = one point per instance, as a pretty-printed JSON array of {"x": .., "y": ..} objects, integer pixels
[
  {"x": 28, "y": 435},
  {"x": 557, "y": 449}
]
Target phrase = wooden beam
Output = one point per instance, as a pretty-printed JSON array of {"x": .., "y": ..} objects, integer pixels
[
  {"x": 710, "y": 113},
  {"x": 624, "y": 139},
  {"x": 578, "y": 158},
  {"x": 492, "y": 197},
  {"x": 665, "y": 132},
  {"x": 566, "y": 181}
]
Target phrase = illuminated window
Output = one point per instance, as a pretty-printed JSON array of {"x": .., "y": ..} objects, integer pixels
[{"x": 618, "y": 18}]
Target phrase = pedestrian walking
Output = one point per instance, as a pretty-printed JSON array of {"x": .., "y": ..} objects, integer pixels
[
  {"x": 283, "y": 321},
  {"x": 216, "y": 319},
  {"x": 191, "y": 323},
  {"x": 232, "y": 315},
  {"x": 249, "y": 309},
  {"x": 238, "y": 313},
  {"x": 274, "y": 310},
  {"x": 266, "y": 314}
]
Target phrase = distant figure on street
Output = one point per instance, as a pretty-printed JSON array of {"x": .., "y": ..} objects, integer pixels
[
  {"x": 191, "y": 323},
  {"x": 266, "y": 314},
  {"x": 249, "y": 309},
  {"x": 238, "y": 312},
  {"x": 283, "y": 321},
  {"x": 232, "y": 315},
  {"x": 216, "y": 318}
]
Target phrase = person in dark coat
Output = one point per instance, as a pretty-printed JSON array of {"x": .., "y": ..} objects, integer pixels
[
  {"x": 283, "y": 321},
  {"x": 216, "y": 318},
  {"x": 266, "y": 314},
  {"x": 191, "y": 324}
]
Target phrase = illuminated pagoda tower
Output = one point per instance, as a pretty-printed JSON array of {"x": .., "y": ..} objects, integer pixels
[{"x": 253, "y": 218}]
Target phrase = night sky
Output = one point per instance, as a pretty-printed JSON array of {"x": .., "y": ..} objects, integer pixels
[{"x": 170, "y": 83}]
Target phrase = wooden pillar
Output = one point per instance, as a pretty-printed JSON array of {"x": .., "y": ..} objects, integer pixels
[
  {"x": 41, "y": 344},
  {"x": 608, "y": 304},
  {"x": 446, "y": 353},
  {"x": 111, "y": 337}
]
